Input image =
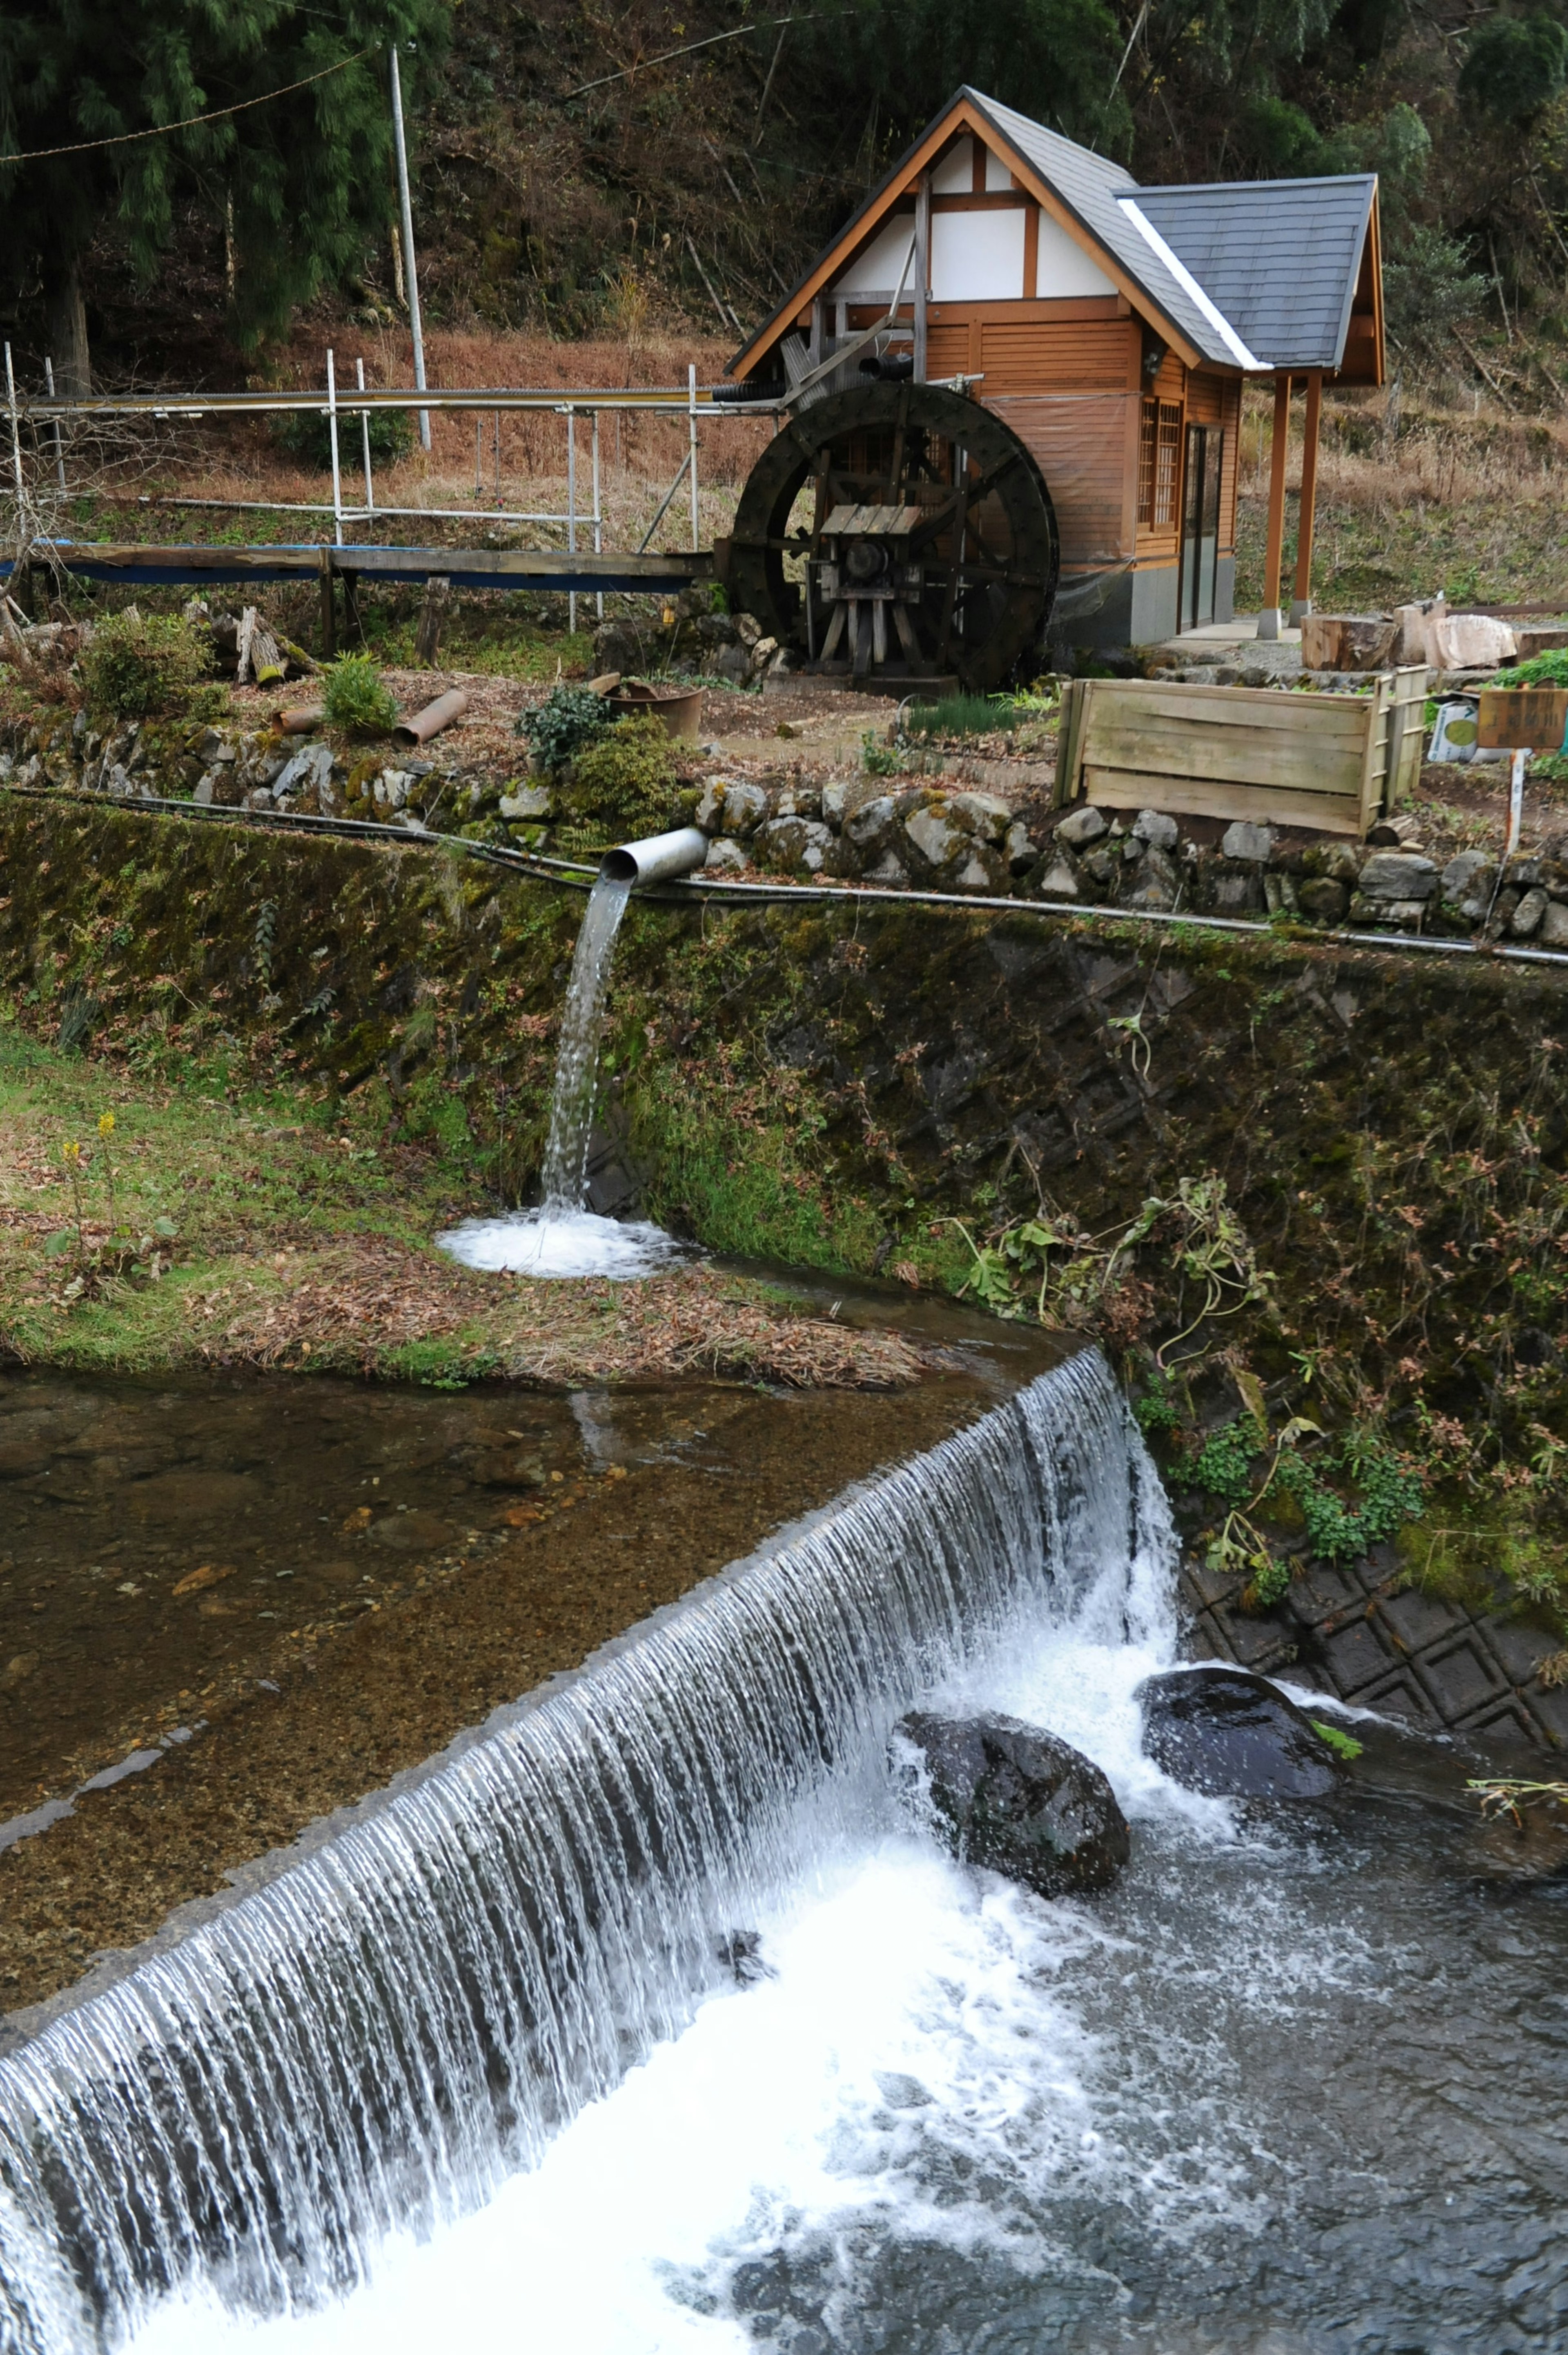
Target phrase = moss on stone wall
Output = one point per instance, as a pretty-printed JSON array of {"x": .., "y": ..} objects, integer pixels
[{"x": 835, "y": 1087}]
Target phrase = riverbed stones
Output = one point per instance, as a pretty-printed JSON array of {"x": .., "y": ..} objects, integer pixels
[
  {"x": 933, "y": 833},
  {"x": 1553, "y": 931},
  {"x": 982, "y": 815},
  {"x": 1233, "y": 1735},
  {"x": 725, "y": 857},
  {"x": 530, "y": 801},
  {"x": 1321, "y": 897},
  {"x": 1525, "y": 920},
  {"x": 1060, "y": 881},
  {"x": 1014, "y": 1798},
  {"x": 1159, "y": 880},
  {"x": 1157, "y": 828}
]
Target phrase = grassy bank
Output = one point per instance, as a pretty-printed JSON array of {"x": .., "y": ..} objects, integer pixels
[{"x": 147, "y": 1224}]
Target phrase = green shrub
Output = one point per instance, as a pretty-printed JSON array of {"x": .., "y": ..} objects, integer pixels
[
  {"x": 624, "y": 783},
  {"x": 143, "y": 666},
  {"x": 1550, "y": 669},
  {"x": 357, "y": 698},
  {"x": 307, "y": 436},
  {"x": 557, "y": 728}
]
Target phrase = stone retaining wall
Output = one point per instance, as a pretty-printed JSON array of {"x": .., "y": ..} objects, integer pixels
[{"x": 898, "y": 831}]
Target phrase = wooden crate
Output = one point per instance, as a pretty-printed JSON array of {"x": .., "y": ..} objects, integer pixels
[{"x": 1334, "y": 762}]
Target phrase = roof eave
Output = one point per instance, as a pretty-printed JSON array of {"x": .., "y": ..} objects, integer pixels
[{"x": 969, "y": 106}]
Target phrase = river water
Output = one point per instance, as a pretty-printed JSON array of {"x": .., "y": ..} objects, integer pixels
[{"x": 503, "y": 2076}]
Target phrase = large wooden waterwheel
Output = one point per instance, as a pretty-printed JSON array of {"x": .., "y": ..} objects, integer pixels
[{"x": 924, "y": 546}]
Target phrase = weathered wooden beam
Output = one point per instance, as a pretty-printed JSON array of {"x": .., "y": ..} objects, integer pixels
[{"x": 466, "y": 568}]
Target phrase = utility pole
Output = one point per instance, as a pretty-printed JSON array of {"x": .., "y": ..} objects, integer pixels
[{"x": 410, "y": 268}]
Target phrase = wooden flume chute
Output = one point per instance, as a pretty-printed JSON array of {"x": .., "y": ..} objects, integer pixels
[{"x": 897, "y": 533}]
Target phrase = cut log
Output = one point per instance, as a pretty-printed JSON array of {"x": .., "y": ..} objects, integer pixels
[
  {"x": 1347, "y": 642},
  {"x": 1402, "y": 832},
  {"x": 1470, "y": 642},
  {"x": 267, "y": 665},
  {"x": 427, "y": 645},
  {"x": 299, "y": 660},
  {"x": 243, "y": 644}
]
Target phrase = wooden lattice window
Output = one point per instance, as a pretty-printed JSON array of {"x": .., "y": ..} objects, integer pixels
[{"x": 1159, "y": 464}]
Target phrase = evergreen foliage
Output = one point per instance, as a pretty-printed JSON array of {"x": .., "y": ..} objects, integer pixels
[
  {"x": 557, "y": 728},
  {"x": 303, "y": 179},
  {"x": 624, "y": 783},
  {"x": 1515, "y": 68},
  {"x": 357, "y": 698}
]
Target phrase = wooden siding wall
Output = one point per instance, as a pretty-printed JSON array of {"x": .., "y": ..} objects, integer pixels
[{"x": 1066, "y": 373}]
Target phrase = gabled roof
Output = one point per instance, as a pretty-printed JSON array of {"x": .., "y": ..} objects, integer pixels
[
  {"x": 1093, "y": 189},
  {"x": 1248, "y": 276},
  {"x": 1280, "y": 258}
]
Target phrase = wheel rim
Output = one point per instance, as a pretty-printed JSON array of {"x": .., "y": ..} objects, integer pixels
[{"x": 986, "y": 543}]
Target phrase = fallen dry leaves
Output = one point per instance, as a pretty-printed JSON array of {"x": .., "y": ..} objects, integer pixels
[{"x": 357, "y": 1303}]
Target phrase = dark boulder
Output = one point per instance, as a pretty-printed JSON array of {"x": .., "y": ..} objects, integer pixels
[
  {"x": 1234, "y": 1736},
  {"x": 1007, "y": 1796}
]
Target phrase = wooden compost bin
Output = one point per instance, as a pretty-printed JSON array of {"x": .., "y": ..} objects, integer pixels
[{"x": 1277, "y": 755}]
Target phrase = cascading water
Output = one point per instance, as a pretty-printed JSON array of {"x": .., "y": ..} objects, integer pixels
[
  {"x": 563, "y": 1237},
  {"x": 374, "y": 2043},
  {"x": 481, "y": 2072}
]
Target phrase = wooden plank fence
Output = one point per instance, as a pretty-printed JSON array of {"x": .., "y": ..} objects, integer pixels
[{"x": 1333, "y": 763}]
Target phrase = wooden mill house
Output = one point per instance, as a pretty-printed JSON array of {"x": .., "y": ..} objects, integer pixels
[{"x": 1110, "y": 325}]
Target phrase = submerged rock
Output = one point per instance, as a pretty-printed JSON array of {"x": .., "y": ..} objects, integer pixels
[
  {"x": 1234, "y": 1736},
  {"x": 1013, "y": 1798}
]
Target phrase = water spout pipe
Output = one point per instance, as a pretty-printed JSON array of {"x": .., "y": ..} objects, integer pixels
[{"x": 658, "y": 859}]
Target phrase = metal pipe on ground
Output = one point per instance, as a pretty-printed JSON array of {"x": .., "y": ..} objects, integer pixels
[
  {"x": 658, "y": 859},
  {"x": 423, "y": 725}
]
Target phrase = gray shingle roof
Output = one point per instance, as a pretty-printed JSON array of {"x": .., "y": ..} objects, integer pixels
[
  {"x": 1279, "y": 257},
  {"x": 1255, "y": 274},
  {"x": 1091, "y": 187}
]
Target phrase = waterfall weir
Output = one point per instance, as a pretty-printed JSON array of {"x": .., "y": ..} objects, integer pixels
[{"x": 374, "y": 2042}]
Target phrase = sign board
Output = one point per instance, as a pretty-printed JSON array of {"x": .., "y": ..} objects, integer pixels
[{"x": 1515, "y": 718}]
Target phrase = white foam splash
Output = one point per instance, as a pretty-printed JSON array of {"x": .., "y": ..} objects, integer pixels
[{"x": 555, "y": 1242}]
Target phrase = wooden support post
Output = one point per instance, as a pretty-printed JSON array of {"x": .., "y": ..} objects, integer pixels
[
  {"x": 353, "y": 626},
  {"x": 1301, "y": 605},
  {"x": 922, "y": 269},
  {"x": 1274, "y": 557},
  {"x": 328, "y": 608},
  {"x": 427, "y": 643}
]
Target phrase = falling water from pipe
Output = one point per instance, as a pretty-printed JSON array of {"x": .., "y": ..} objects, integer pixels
[{"x": 564, "y": 1237}]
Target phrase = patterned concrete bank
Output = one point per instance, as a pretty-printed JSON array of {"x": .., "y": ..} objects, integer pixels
[{"x": 1350, "y": 1630}]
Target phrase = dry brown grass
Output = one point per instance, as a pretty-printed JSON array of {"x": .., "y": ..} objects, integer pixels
[{"x": 1416, "y": 495}]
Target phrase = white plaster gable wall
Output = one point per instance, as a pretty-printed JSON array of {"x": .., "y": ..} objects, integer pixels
[
  {"x": 1063, "y": 268},
  {"x": 877, "y": 268},
  {"x": 978, "y": 257},
  {"x": 953, "y": 176}
]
